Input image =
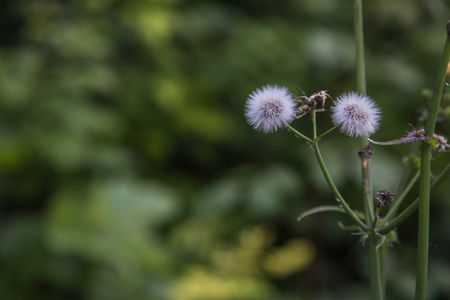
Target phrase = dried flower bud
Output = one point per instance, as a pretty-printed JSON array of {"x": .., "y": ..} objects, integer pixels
[
  {"x": 308, "y": 104},
  {"x": 366, "y": 153},
  {"x": 320, "y": 97},
  {"x": 384, "y": 197},
  {"x": 441, "y": 143}
]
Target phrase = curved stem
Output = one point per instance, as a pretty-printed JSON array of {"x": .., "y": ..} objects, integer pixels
[
  {"x": 330, "y": 182},
  {"x": 325, "y": 208}
]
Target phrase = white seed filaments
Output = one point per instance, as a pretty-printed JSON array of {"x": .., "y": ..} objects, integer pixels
[
  {"x": 357, "y": 114},
  {"x": 270, "y": 108}
]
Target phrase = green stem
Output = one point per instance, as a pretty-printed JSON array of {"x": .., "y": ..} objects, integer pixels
[
  {"x": 325, "y": 208},
  {"x": 424, "y": 220},
  {"x": 368, "y": 203},
  {"x": 413, "y": 206},
  {"x": 299, "y": 134},
  {"x": 359, "y": 38},
  {"x": 314, "y": 120},
  {"x": 374, "y": 261},
  {"x": 328, "y": 131},
  {"x": 383, "y": 261},
  {"x": 374, "y": 268},
  {"x": 330, "y": 182},
  {"x": 361, "y": 86},
  {"x": 425, "y": 165}
]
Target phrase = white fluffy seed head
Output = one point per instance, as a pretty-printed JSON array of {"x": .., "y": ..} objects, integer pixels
[
  {"x": 357, "y": 114},
  {"x": 270, "y": 108}
]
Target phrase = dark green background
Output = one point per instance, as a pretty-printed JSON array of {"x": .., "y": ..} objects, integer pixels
[{"x": 128, "y": 171}]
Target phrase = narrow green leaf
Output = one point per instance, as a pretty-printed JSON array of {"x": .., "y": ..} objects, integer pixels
[
  {"x": 319, "y": 209},
  {"x": 352, "y": 228},
  {"x": 326, "y": 208}
]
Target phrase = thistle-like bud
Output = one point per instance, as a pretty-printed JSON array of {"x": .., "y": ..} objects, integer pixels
[{"x": 384, "y": 197}]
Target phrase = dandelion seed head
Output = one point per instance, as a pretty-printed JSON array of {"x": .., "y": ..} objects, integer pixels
[
  {"x": 357, "y": 114},
  {"x": 270, "y": 108}
]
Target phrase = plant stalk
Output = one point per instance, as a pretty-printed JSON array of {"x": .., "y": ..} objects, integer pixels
[
  {"x": 425, "y": 171},
  {"x": 365, "y": 155},
  {"x": 384, "y": 249},
  {"x": 359, "y": 39},
  {"x": 298, "y": 134},
  {"x": 375, "y": 270},
  {"x": 330, "y": 182},
  {"x": 328, "y": 131},
  {"x": 374, "y": 255}
]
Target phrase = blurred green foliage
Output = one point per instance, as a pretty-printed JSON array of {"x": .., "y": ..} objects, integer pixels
[{"x": 128, "y": 170}]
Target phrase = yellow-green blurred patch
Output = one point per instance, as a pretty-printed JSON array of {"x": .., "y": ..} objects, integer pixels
[
  {"x": 95, "y": 5},
  {"x": 295, "y": 256},
  {"x": 201, "y": 284},
  {"x": 170, "y": 94},
  {"x": 206, "y": 122},
  {"x": 247, "y": 257},
  {"x": 153, "y": 22}
]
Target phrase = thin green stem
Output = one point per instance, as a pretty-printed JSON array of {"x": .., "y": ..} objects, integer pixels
[
  {"x": 336, "y": 193},
  {"x": 328, "y": 131},
  {"x": 299, "y": 134},
  {"x": 384, "y": 249},
  {"x": 330, "y": 182},
  {"x": 374, "y": 256},
  {"x": 376, "y": 285},
  {"x": 375, "y": 219},
  {"x": 361, "y": 86},
  {"x": 326, "y": 208},
  {"x": 359, "y": 38},
  {"x": 368, "y": 203},
  {"x": 413, "y": 206},
  {"x": 370, "y": 191},
  {"x": 393, "y": 210},
  {"x": 374, "y": 268},
  {"x": 425, "y": 165},
  {"x": 314, "y": 120},
  {"x": 424, "y": 223}
]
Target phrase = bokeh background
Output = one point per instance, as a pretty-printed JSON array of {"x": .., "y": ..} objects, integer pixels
[{"x": 128, "y": 170}]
